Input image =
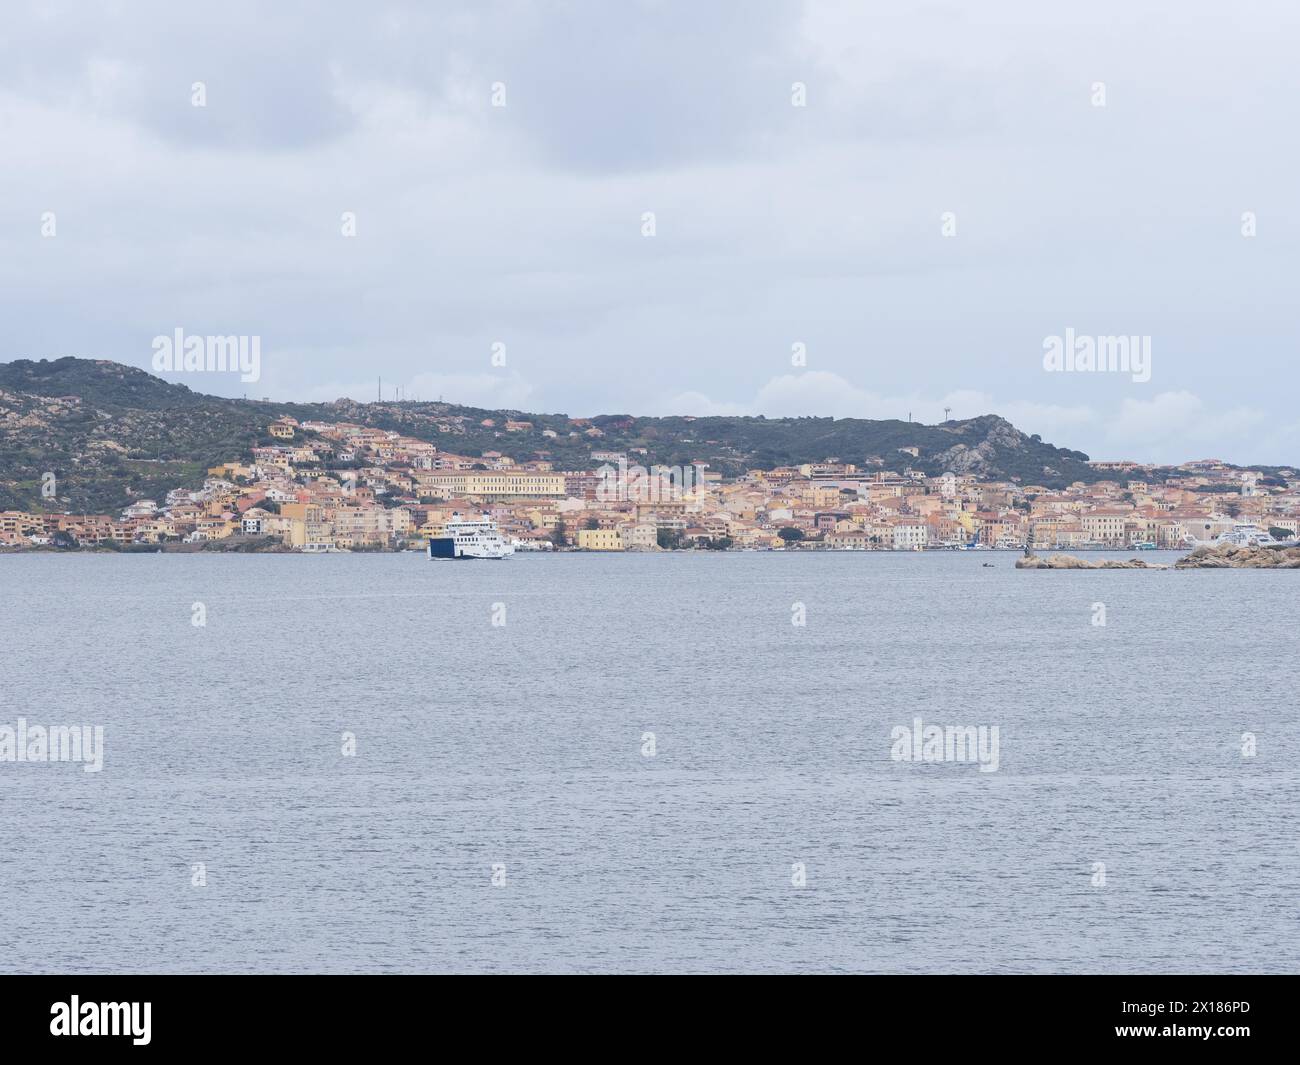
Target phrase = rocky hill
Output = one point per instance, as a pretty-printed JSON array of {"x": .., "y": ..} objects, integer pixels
[{"x": 112, "y": 433}]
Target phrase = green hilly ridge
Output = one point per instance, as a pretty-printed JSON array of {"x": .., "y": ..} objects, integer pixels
[{"x": 112, "y": 433}]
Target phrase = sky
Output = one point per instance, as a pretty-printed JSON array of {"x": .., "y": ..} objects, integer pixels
[{"x": 855, "y": 209}]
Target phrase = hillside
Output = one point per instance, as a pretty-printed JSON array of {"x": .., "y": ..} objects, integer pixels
[{"x": 113, "y": 433}]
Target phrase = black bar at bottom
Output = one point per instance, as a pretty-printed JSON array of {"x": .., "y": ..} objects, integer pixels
[{"x": 342, "y": 1013}]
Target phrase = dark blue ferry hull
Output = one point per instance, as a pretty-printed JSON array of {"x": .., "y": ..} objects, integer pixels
[{"x": 442, "y": 547}]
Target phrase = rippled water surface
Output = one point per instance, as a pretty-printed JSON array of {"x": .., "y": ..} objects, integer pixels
[{"x": 520, "y": 746}]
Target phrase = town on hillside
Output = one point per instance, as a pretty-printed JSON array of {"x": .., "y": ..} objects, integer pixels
[{"x": 334, "y": 486}]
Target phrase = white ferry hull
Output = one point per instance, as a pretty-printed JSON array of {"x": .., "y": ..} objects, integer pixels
[{"x": 446, "y": 547}]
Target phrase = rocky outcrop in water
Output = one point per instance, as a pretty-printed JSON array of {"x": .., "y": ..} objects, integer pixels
[
  {"x": 1208, "y": 557},
  {"x": 1233, "y": 557},
  {"x": 1070, "y": 562}
]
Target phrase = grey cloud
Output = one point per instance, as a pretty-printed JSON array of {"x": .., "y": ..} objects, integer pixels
[{"x": 775, "y": 224}]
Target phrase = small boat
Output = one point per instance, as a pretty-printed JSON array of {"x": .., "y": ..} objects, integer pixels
[
  {"x": 1146, "y": 545},
  {"x": 532, "y": 545},
  {"x": 470, "y": 538}
]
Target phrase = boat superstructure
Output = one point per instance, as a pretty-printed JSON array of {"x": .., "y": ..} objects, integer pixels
[{"x": 1246, "y": 534}]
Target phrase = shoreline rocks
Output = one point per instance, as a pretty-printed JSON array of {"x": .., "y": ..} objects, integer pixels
[
  {"x": 1231, "y": 556},
  {"x": 1070, "y": 562},
  {"x": 1227, "y": 556}
]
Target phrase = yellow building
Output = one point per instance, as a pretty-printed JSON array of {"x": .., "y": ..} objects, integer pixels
[
  {"x": 492, "y": 483},
  {"x": 215, "y": 528},
  {"x": 230, "y": 470},
  {"x": 307, "y": 524},
  {"x": 600, "y": 539}
]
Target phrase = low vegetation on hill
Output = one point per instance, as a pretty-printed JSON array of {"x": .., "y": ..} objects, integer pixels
[{"x": 112, "y": 433}]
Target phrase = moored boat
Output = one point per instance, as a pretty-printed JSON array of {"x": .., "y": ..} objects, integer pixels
[{"x": 470, "y": 538}]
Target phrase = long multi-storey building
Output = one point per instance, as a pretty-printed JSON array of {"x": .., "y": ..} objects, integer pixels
[{"x": 492, "y": 484}]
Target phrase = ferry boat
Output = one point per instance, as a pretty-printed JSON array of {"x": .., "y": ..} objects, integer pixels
[
  {"x": 1246, "y": 534},
  {"x": 470, "y": 538}
]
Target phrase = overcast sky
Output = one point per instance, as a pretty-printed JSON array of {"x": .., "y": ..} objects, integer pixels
[{"x": 774, "y": 224}]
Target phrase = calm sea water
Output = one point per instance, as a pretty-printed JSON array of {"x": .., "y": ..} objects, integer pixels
[{"x": 520, "y": 746}]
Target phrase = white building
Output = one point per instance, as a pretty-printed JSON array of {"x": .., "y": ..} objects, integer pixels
[{"x": 910, "y": 536}]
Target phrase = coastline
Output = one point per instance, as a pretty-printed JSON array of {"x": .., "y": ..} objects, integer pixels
[{"x": 217, "y": 547}]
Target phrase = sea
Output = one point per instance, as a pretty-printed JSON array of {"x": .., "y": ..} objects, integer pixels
[{"x": 675, "y": 762}]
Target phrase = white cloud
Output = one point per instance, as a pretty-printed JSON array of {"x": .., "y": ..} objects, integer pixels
[
  {"x": 1178, "y": 418},
  {"x": 701, "y": 406},
  {"x": 822, "y": 393}
]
